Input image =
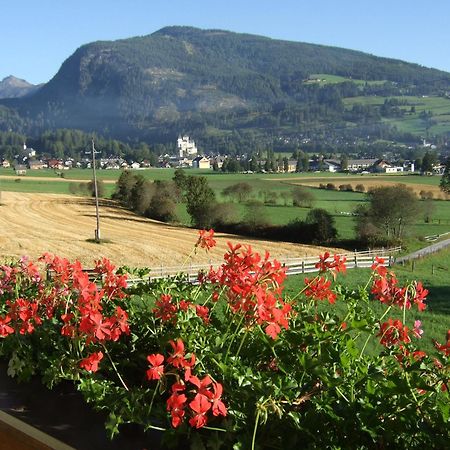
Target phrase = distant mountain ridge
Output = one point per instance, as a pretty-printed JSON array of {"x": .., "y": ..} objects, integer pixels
[
  {"x": 187, "y": 79},
  {"x": 12, "y": 87}
]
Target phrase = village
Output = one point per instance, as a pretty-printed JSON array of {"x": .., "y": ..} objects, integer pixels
[{"x": 189, "y": 156}]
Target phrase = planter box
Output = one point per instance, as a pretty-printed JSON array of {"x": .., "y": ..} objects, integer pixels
[{"x": 35, "y": 418}]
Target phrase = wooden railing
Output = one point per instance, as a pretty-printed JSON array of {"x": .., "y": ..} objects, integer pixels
[{"x": 294, "y": 266}]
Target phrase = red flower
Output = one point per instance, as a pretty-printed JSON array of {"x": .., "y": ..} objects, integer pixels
[
  {"x": 319, "y": 289},
  {"x": 165, "y": 309},
  {"x": 177, "y": 359},
  {"x": 200, "y": 405},
  {"x": 335, "y": 266},
  {"x": 205, "y": 239},
  {"x": 218, "y": 407},
  {"x": 91, "y": 362},
  {"x": 202, "y": 312},
  {"x": 157, "y": 370},
  {"x": 393, "y": 332},
  {"x": 5, "y": 329},
  {"x": 420, "y": 295},
  {"x": 202, "y": 385},
  {"x": 379, "y": 267},
  {"x": 444, "y": 348},
  {"x": 176, "y": 404}
]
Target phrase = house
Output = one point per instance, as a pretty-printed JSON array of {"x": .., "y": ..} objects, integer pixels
[
  {"x": 201, "y": 162},
  {"x": 393, "y": 169},
  {"x": 35, "y": 164},
  {"x": 20, "y": 169},
  {"x": 292, "y": 165},
  {"x": 357, "y": 165},
  {"x": 6, "y": 164},
  {"x": 331, "y": 165},
  {"x": 55, "y": 164}
]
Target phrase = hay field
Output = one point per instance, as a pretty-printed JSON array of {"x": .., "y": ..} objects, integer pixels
[
  {"x": 32, "y": 224},
  {"x": 369, "y": 183}
]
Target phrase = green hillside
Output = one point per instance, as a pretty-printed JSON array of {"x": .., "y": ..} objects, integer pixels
[{"x": 232, "y": 92}]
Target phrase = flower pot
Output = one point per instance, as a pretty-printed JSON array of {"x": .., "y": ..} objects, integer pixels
[{"x": 33, "y": 417}]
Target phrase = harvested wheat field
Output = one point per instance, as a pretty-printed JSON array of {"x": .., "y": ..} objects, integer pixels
[
  {"x": 370, "y": 183},
  {"x": 32, "y": 224}
]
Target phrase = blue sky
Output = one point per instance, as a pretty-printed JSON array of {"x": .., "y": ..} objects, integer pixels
[{"x": 36, "y": 36}]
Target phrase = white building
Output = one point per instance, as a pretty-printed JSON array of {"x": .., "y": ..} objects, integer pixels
[{"x": 186, "y": 147}]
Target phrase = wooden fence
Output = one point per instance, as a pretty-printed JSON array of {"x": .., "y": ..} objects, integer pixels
[{"x": 295, "y": 266}]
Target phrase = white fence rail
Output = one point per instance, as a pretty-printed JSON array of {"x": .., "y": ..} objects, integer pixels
[{"x": 295, "y": 266}]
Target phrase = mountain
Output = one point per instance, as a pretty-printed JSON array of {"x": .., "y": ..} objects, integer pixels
[
  {"x": 214, "y": 84},
  {"x": 12, "y": 87}
]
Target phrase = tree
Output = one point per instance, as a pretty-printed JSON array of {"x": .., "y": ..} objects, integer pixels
[
  {"x": 255, "y": 216},
  {"x": 179, "y": 178},
  {"x": 322, "y": 227},
  {"x": 445, "y": 179},
  {"x": 124, "y": 187},
  {"x": 200, "y": 200},
  {"x": 239, "y": 191},
  {"x": 344, "y": 162},
  {"x": 391, "y": 210},
  {"x": 429, "y": 159},
  {"x": 303, "y": 197}
]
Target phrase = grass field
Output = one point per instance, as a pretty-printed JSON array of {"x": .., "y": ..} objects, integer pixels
[
  {"x": 433, "y": 271},
  {"x": 339, "y": 204},
  {"x": 412, "y": 123}
]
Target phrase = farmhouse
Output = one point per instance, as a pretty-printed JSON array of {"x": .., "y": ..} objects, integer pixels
[
  {"x": 20, "y": 169},
  {"x": 201, "y": 162},
  {"x": 331, "y": 165},
  {"x": 34, "y": 164},
  {"x": 357, "y": 165}
]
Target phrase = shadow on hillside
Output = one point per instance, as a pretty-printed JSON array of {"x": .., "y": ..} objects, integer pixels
[{"x": 439, "y": 300}]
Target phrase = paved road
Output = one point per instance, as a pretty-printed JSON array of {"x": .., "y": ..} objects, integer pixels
[{"x": 424, "y": 251}]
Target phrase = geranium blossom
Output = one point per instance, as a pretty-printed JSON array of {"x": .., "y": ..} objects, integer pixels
[
  {"x": 206, "y": 239},
  {"x": 200, "y": 405},
  {"x": 91, "y": 362},
  {"x": 157, "y": 369},
  {"x": 393, "y": 332},
  {"x": 319, "y": 289},
  {"x": 5, "y": 329}
]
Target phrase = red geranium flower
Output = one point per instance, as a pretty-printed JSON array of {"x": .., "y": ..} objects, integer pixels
[
  {"x": 91, "y": 362},
  {"x": 176, "y": 404},
  {"x": 205, "y": 239},
  {"x": 200, "y": 405},
  {"x": 393, "y": 332},
  {"x": 157, "y": 370},
  {"x": 5, "y": 329}
]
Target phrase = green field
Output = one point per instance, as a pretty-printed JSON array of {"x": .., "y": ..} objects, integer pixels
[
  {"x": 412, "y": 123},
  {"x": 339, "y": 204},
  {"x": 433, "y": 271}
]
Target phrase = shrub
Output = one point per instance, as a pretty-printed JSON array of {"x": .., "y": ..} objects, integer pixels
[
  {"x": 346, "y": 187},
  {"x": 330, "y": 187},
  {"x": 360, "y": 188},
  {"x": 303, "y": 197}
]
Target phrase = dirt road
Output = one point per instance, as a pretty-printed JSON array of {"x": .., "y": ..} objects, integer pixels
[{"x": 32, "y": 224}]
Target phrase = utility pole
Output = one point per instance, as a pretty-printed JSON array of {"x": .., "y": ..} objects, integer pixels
[{"x": 97, "y": 230}]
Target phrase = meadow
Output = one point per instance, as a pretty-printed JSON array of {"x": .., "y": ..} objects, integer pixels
[
  {"x": 339, "y": 203},
  {"x": 433, "y": 271}
]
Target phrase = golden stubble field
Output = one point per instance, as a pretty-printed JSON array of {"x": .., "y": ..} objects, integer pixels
[
  {"x": 32, "y": 224},
  {"x": 369, "y": 184}
]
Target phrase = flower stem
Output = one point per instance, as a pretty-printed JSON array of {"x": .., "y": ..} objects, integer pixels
[
  {"x": 115, "y": 368},
  {"x": 255, "y": 429}
]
